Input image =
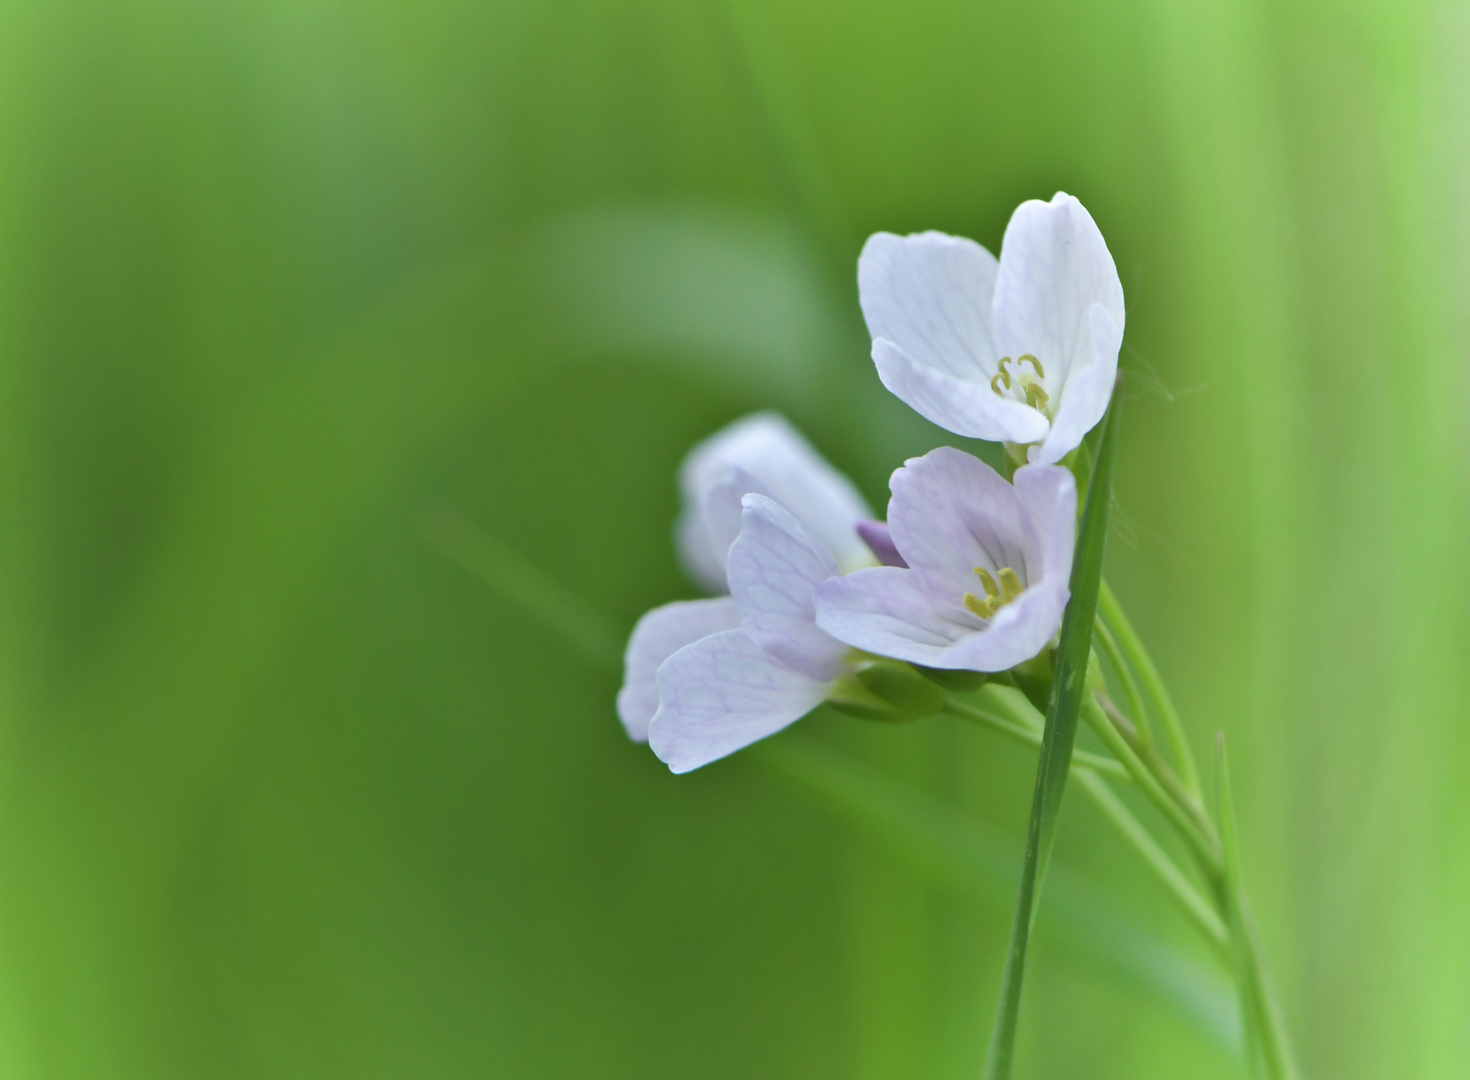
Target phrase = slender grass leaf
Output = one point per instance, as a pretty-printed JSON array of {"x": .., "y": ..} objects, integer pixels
[
  {"x": 1069, "y": 686},
  {"x": 1267, "y": 1043},
  {"x": 958, "y": 851},
  {"x": 1239, "y": 944}
]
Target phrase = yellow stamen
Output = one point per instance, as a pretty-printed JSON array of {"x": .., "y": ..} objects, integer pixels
[
  {"x": 1010, "y": 584},
  {"x": 991, "y": 590},
  {"x": 1036, "y": 396},
  {"x": 983, "y": 608},
  {"x": 996, "y": 596},
  {"x": 1002, "y": 376},
  {"x": 1040, "y": 372}
]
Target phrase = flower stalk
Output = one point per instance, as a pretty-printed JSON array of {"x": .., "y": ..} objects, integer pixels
[{"x": 1148, "y": 674}]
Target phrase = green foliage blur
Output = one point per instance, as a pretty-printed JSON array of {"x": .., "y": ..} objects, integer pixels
[{"x": 347, "y": 351}]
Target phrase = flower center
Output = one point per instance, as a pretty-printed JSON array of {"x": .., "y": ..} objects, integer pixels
[
  {"x": 1026, "y": 386},
  {"x": 996, "y": 596}
]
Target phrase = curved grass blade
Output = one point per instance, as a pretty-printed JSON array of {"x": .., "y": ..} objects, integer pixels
[
  {"x": 958, "y": 851},
  {"x": 1240, "y": 946},
  {"x": 1069, "y": 686},
  {"x": 1267, "y": 1044}
]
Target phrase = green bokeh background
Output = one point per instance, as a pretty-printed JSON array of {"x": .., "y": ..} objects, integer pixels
[{"x": 347, "y": 351}]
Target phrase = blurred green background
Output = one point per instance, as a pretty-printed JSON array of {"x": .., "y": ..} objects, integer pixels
[{"x": 347, "y": 351}]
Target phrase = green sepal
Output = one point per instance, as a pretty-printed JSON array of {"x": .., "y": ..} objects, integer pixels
[
  {"x": 888, "y": 691},
  {"x": 958, "y": 681}
]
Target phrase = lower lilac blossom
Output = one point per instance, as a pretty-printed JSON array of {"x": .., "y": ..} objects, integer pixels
[
  {"x": 730, "y": 689},
  {"x": 765, "y": 454},
  {"x": 759, "y": 453},
  {"x": 1022, "y": 350},
  {"x": 988, "y": 562},
  {"x": 657, "y": 636}
]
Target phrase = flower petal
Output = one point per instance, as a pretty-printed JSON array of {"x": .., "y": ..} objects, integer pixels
[
  {"x": 951, "y": 512},
  {"x": 965, "y": 407},
  {"x": 775, "y": 566},
  {"x": 784, "y": 466},
  {"x": 719, "y": 512},
  {"x": 1087, "y": 391},
  {"x": 656, "y": 637},
  {"x": 1016, "y": 633},
  {"x": 1048, "y": 498},
  {"x": 888, "y": 611},
  {"x": 721, "y": 694},
  {"x": 1054, "y": 266},
  {"x": 931, "y": 295},
  {"x": 879, "y": 539}
]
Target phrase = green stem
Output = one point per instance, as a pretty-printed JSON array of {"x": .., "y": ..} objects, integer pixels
[
  {"x": 1011, "y": 714},
  {"x": 1277, "y": 1039},
  {"x": 1205, "y": 847},
  {"x": 1261, "y": 1014},
  {"x": 1155, "y": 764},
  {"x": 1136, "y": 707},
  {"x": 1027, "y": 736},
  {"x": 1128, "y": 639},
  {"x": 1195, "y": 907}
]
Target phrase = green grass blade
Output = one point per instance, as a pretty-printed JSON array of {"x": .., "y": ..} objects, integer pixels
[
  {"x": 1069, "y": 686},
  {"x": 1267, "y": 1042},
  {"x": 1240, "y": 944},
  {"x": 1031, "y": 738},
  {"x": 959, "y": 851}
]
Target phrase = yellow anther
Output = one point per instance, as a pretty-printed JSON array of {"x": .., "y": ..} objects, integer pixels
[
  {"x": 1036, "y": 396},
  {"x": 984, "y": 608},
  {"x": 1040, "y": 372},
  {"x": 996, "y": 596},
  {"x": 1002, "y": 376},
  {"x": 991, "y": 589},
  {"x": 1010, "y": 584}
]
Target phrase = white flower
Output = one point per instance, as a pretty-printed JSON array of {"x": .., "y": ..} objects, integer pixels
[
  {"x": 657, "y": 636},
  {"x": 729, "y": 689},
  {"x": 760, "y": 453},
  {"x": 1024, "y": 350},
  {"x": 988, "y": 567},
  {"x": 765, "y": 454}
]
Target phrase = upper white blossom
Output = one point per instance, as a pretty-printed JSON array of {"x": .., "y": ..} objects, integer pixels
[
  {"x": 729, "y": 689},
  {"x": 988, "y": 562},
  {"x": 1023, "y": 350},
  {"x": 765, "y": 454}
]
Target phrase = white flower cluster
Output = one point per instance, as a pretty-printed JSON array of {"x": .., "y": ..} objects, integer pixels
[{"x": 974, "y": 568}]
